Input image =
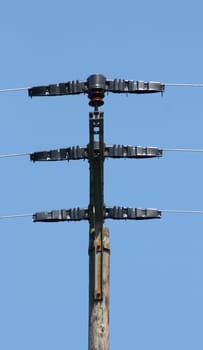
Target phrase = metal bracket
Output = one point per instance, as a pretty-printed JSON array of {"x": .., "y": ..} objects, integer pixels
[
  {"x": 98, "y": 259},
  {"x": 96, "y": 217}
]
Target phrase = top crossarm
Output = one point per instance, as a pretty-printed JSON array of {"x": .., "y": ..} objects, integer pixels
[
  {"x": 133, "y": 87},
  {"x": 68, "y": 88},
  {"x": 96, "y": 82}
]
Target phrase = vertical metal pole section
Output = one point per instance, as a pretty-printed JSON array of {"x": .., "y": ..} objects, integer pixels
[{"x": 99, "y": 247}]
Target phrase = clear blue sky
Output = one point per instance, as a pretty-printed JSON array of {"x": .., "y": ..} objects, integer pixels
[{"x": 156, "y": 266}]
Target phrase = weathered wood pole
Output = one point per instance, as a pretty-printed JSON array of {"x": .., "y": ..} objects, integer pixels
[{"x": 99, "y": 309}]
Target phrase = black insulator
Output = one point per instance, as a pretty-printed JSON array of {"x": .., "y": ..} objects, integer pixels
[{"x": 96, "y": 84}]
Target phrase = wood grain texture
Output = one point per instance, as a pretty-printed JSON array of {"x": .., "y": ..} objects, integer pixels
[{"x": 99, "y": 309}]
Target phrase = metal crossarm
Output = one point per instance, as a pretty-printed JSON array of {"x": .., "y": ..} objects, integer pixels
[
  {"x": 133, "y": 87},
  {"x": 115, "y": 213},
  {"x": 124, "y": 213},
  {"x": 69, "y": 153},
  {"x": 115, "y": 151},
  {"x": 68, "y": 88},
  {"x": 96, "y": 82},
  {"x": 75, "y": 214},
  {"x": 121, "y": 151}
]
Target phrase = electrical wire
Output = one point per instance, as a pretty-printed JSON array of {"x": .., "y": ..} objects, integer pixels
[
  {"x": 183, "y": 84},
  {"x": 14, "y": 216},
  {"x": 200, "y": 150},
  {"x": 174, "y": 211},
  {"x": 14, "y": 89},
  {"x": 14, "y": 155}
]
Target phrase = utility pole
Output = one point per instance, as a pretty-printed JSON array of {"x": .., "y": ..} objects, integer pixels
[{"x": 96, "y": 151}]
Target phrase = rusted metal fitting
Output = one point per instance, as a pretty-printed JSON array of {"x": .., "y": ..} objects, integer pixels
[{"x": 98, "y": 294}]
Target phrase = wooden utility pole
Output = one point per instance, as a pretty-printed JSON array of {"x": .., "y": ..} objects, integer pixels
[{"x": 99, "y": 309}]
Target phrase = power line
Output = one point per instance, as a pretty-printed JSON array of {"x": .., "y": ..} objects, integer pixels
[
  {"x": 14, "y": 89},
  {"x": 184, "y": 84},
  {"x": 14, "y": 155},
  {"x": 14, "y": 216},
  {"x": 174, "y": 211},
  {"x": 183, "y": 149}
]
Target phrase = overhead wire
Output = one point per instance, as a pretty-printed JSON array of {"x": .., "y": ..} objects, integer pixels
[
  {"x": 198, "y": 150},
  {"x": 14, "y": 89},
  {"x": 14, "y": 216},
  {"x": 183, "y": 84},
  {"x": 9, "y": 155},
  {"x": 174, "y": 211}
]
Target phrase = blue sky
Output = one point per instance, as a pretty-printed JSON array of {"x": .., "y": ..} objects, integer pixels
[{"x": 156, "y": 266}]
